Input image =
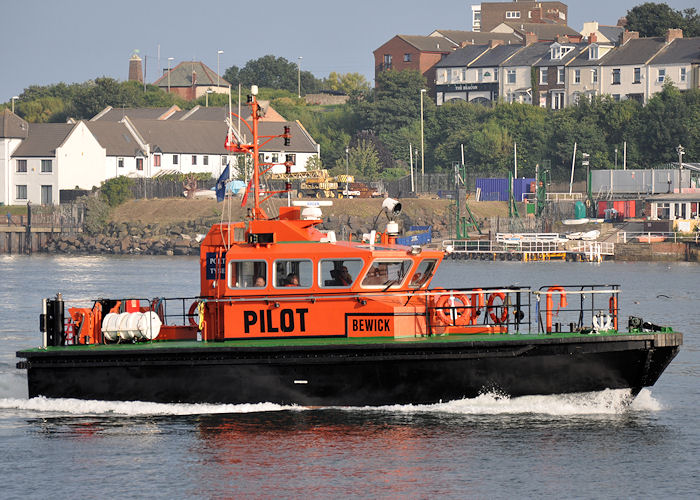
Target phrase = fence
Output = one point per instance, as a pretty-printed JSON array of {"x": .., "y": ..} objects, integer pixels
[{"x": 145, "y": 188}]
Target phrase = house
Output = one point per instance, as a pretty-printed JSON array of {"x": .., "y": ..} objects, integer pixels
[
  {"x": 625, "y": 71},
  {"x": 583, "y": 73},
  {"x": 126, "y": 153},
  {"x": 54, "y": 157},
  {"x": 487, "y": 15},
  {"x": 550, "y": 74},
  {"x": 516, "y": 85},
  {"x": 679, "y": 62},
  {"x": 602, "y": 33},
  {"x": 462, "y": 38},
  {"x": 117, "y": 114},
  {"x": 472, "y": 73},
  {"x": 542, "y": 32},
  {"x": 191, "y": 80},
  {"x": 13, "y": 130},
  {"x": 419, "y": 53}
]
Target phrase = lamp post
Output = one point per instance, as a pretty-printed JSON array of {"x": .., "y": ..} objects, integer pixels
[
  {"x": 13, "y": 102},
  {"x": 347, "y": 170},
  {"x": 615, "y": 158},
  {"x": 209, "y": 91},
  {"x": 681, "y": 151},
  {"x": 218, "y": 53},
  {"x": 422, "y": 145},
  {"x": 299, "y": 77},
  {"x": 169, "y": 61}
]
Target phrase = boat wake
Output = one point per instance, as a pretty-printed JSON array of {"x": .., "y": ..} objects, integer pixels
[{"x": 608, "y": 402}]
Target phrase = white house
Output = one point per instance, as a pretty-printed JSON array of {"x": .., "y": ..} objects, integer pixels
[{"x": 13, "y": 130}]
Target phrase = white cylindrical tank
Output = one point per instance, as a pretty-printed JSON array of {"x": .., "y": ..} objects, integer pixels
[
  {"x": 123, "y": 326},
  {"x": 109, "y": 327}
]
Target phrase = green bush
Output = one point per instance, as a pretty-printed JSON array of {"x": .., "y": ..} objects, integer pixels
[
  {"x": 117, "y": 190},
  {"x": 96, "y": 213}
]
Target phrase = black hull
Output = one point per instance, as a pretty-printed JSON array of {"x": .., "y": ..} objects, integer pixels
[{"x": 353, "y": 375}]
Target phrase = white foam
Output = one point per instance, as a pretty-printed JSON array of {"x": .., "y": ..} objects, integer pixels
[
  {"x": 79, "y": 407},
  {"x": 607, "y": 402}
]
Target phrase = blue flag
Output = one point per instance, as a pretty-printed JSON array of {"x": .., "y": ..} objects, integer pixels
[{"x": 221, "y": 185}]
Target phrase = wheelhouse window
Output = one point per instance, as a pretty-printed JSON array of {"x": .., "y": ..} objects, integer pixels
[
  {"x": 247, "y": 274},
  {"x": 384, "y": 273},
  {"x": 424, "y": 272},
  {"x": 338, "y": 273},
  {"x": 293, "y": 273},
  {"x": 21, "y": 166},
  {"x": 46, "y": 166}
]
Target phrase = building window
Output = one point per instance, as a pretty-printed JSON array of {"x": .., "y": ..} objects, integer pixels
[
  {"x": 21, "y": 192},
  {"x": 21, "y": 166},
  {"x": 662, "y": 76},
  {"x": 683, "y": 74},
  {"x": 120, "y": 162},
  {"x": 407, "y": 58},
  {"x": 442, "y": 76},
  {"x": 594, "y": 75},
  {"x": 224, "y": 160},
  {"x": 543, "y": 75},
  {"x": 637, "y": 75},
  {"x": 156, "y": 160},
  {"x": 387, "y": 61},
  {"x": 194, "y": 159},
  {"x": 593, "y": 52},
  {"x": 291, "y": 159},
  {"x": 139, "y": 163},
  {"x": 46, "y": 166},
  {"x": 616, "y": 76},
  {"x": 46, "y": 195},
  {"x": 616, "y": 97},
  {"x": 464, "y": 75},
  {"x": 511, "y": 76},
  {"x": 512, "y": 14},
  {"x": 176, "y": 159},
  {"x": 577, "y": 76},
  {"x": 275, "y": 157},
  {"x": 495, "y": 74},
  {"x": 561, "y": 74},
  {"x": 205, "y": 160}
]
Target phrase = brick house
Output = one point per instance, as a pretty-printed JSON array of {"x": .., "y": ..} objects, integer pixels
[
  {"x": 420, "y": 53},
  {"x": 191, "y": 80},
  {"x": 488, "y": 15},
  {"x": 550, "y": 74}
]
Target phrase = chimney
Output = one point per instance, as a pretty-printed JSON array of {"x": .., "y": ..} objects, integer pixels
[
  {"x": 530, "y": 38},
  {"x": 592, "y": 38},
  {"x": 562, "y": 39},
  {"x": 194, "y": 78},
  {"x": 628, "y": 35},
  {"x": 135, "y": 72},
  {"x": 495, "y": 43},
  {"x": 673, "y": 33}
]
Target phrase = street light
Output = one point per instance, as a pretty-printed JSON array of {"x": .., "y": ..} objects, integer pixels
[
  {"x": 209, "y": 91},
  {"x": 13, "y": 102},
  {"x": 218, "y": 53},
  {"x": 347, "y": 170},
  {"x": 615, "y": 158},
  {"x": 299, "y": 77},
  {"x": 169, "y": 60},
  {"x": 422, "y": 145}
]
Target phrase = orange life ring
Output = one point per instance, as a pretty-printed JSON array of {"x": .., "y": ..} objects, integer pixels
[
  {"x": 490, "y": 308},
  {"x": 550, "y": 303},
  {"x": 612, "y": 307},
  {"x": 445, "y": 311},
  {"x": 193, "y": 315}
]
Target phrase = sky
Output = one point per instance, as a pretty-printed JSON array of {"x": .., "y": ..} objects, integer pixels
[{"x": 43, "y": 42}]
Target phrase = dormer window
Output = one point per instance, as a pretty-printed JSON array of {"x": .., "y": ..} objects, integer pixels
[
  {"x": 557, "y": 51},
  {"x": 593, "y": 52}
]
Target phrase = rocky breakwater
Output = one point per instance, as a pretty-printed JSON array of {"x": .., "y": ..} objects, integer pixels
[{"x": 134, "y": 238}]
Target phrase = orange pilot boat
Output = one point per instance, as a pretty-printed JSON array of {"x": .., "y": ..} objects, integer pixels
[{"x": 289, "y": 314}]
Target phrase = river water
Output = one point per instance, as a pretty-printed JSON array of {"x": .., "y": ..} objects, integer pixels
[{"x": 578, "y": 446}]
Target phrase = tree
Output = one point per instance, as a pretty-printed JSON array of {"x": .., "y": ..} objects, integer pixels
[
  {"x": 348, "y": 83},
  {"x": 364, "y": 160},
  {"x": 653, "y": 19},
  {"x": 273, "y": 72}
]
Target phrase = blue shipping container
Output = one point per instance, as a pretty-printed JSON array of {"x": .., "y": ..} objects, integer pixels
[{"x": 496, "y": 189}]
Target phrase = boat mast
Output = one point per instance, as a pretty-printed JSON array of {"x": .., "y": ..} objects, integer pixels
[{"x": 258, "y": 212}]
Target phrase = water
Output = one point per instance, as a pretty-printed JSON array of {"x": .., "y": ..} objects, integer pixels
[{"x": 581, "y": 446}]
